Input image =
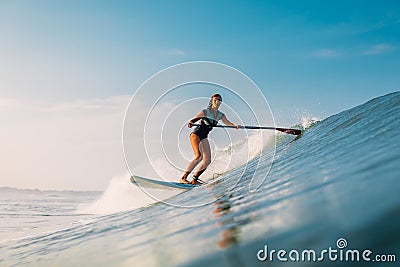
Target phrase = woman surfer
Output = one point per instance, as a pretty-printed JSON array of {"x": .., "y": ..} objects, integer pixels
[{"x": 198, "y": 138}]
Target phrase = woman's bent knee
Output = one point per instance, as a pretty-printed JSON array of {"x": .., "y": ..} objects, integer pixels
[{"x": 207, "y": 161}]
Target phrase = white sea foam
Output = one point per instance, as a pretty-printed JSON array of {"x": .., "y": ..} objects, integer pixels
[
  {"x": 240, "y": 153},
  {"x": 121, "y": 195},
  {"x": 308, "y": 121}
]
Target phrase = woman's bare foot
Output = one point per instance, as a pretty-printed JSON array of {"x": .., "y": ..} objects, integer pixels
[
  {"x": 184, "y": 181},
  {"x": 197, "y": 182}
]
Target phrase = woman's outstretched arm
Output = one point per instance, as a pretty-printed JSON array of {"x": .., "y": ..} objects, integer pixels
[{"x": 227, "y": 122}]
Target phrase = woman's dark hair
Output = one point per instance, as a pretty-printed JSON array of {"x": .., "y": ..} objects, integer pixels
[
  {"x": 217, "y": 95},
  {"x": 210, "y": 103}
]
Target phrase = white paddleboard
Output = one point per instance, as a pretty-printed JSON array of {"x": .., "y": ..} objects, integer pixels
[{"x": 156, "y": 184}]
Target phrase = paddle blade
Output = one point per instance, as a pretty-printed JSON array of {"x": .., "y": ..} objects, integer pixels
[{"x": 289, "y": 131}]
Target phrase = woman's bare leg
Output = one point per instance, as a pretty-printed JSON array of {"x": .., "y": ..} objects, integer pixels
[
  {"x": 195, "y": 142},
  {"x": 205, "y": 151}
]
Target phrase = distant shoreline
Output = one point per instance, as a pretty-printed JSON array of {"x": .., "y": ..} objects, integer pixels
[{"x": 39, "y": 191}]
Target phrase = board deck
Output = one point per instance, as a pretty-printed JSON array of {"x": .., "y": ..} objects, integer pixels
[{"x": 157, "y": 184}]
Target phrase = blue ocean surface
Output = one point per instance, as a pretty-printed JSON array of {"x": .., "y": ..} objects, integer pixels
[{"x": 335, "y": 188}]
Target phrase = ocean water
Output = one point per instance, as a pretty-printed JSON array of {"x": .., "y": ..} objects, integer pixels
[{"x": 334, "y": 188}]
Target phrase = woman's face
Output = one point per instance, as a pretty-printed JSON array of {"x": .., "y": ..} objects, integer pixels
[{"x": 216, "y": 102}]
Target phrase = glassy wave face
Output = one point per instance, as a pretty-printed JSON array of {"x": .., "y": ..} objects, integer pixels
[{"x": 338, "y": 181}]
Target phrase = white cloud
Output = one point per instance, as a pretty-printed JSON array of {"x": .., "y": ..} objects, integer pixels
[
  {"x": 327, "y": 53},
  {"x": 379, "y": 49},
  {"x": 105, "y": 104},
  {"x": 61, "y": 146},
  {"x": 75, "y": 145},
  {"x": 175, "y": 52}
]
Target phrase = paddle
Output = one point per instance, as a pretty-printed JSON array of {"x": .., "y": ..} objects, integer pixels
[{"x": 284, "y": 130}]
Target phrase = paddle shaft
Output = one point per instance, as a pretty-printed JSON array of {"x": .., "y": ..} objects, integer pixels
[{"x": 284, "y": 130}]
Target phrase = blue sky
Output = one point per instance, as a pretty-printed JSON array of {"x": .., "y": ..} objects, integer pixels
[
  {"x": 316, "y": 55},
  {"x": 307, "y": 57}
]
